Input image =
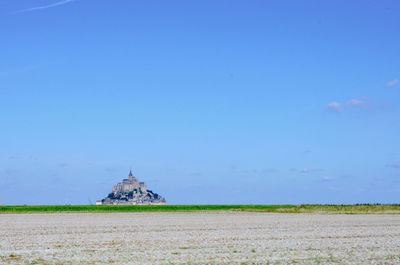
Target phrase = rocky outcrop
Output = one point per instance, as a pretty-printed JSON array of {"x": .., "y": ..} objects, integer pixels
[{"x": 132, "y": 192}]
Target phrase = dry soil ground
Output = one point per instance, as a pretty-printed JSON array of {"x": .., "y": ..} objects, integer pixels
[{"x": 198, "y": 238}]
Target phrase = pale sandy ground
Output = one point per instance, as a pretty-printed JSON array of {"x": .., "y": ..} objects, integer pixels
[{"x": 199, "y": 238}]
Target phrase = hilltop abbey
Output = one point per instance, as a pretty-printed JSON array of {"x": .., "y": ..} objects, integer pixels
[{"x": 132, "y": 192}]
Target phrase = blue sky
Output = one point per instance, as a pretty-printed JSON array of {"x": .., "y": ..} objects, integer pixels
[{"x": 210, "y": 102}]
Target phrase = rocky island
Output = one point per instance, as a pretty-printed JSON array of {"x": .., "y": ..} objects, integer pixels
[{"x": 132, "y": 192}]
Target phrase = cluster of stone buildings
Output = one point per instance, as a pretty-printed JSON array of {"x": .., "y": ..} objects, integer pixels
[{"x": 132, "y": 192}]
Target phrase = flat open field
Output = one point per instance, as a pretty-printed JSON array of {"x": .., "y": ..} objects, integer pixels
[{"x": 211, "y": 237}]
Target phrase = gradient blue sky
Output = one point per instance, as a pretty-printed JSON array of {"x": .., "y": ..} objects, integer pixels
[{"x": 210, "y": 102}]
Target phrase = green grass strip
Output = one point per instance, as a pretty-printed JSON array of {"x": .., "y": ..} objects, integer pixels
[
  {"x": 305, "y": 208},
  {"x": 137, "y": 208}
]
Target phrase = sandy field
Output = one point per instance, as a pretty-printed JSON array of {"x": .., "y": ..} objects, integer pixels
[{"x": 198, "y": 238}]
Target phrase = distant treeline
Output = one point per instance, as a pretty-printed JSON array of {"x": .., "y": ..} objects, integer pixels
[{"x": 304, "y": 208}]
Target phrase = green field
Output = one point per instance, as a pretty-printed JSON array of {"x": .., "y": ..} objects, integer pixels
[{"x": 305, "y": 208}]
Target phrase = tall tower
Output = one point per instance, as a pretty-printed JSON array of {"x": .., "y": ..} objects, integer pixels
[{"x": 130, "y": 174}]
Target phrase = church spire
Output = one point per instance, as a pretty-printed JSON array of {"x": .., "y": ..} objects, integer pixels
[{"x": 130, "y": 173}]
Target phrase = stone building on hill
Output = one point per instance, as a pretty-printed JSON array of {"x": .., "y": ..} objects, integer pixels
[{"x": 132, "y": 192}]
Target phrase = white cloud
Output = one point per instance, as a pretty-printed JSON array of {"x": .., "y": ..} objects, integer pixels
[
  {"x": 355, "y": 103},
  {"x": 334, "y": 106},
  {"x": 351, "y": 104},
  {"x": 327, "y": 178},
  {"x": 305, "y": 170},
  {"x": 392, "y": 83},
  {"x": 43, "y": 7}
]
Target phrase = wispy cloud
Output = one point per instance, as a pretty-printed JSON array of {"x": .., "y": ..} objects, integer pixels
[
  {"x": 392, "y": 83},
  {"x": 334, "y": 107},
  {"x": 327, "y": 178},
  {"x": 305, "y": 170},
  {"x": 354, "y": 103},
  {"x": 42, "y": 7},
  {"x": 351, "y": 104}
]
